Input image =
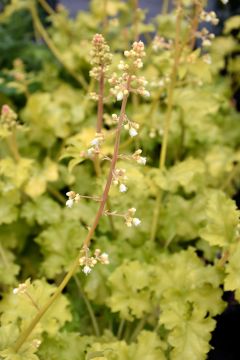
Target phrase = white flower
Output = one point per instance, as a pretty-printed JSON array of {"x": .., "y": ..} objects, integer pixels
[
  {"x": 146, "y": 93},
  {"x": 87, "y": 270},
  {"x": 136, "y": 221},
  {"x": 121, "y": 65},
  {"x": 142, "y": 160},
  {"x": 95, "y": 142},
  {"x": 90, "y": 151},
  {"x": 122, "y": 188},
  {"x": 119, "y": 95},
  {"x": 69, "y": 203},
  {"x": 104, "y": 258},
  {"x": 225, "y": 1},
  {"x": 132, "y": 132},
  {"x": 206, "y": 42},
  {"x": 20, "y": 289}
]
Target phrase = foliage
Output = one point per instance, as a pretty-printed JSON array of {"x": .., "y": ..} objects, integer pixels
[{"x": 160, "y": 294}]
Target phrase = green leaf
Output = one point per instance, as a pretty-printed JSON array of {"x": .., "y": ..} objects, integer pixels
[
  {"x": 232, "y": 268},
  {"x": 128, "y": 285},
  {"x": 222, "y": 218},
  {"x": 43, "y": 210},
  {"x": 60, "y": 244},
  {"x": 19, "y": 309}
]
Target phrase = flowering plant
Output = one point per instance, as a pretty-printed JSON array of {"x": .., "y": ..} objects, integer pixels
[{"x": 119, "y": 162}]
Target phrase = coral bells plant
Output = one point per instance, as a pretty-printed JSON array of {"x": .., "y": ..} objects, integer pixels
[
  {"x": 119, "y": 163},
  {"x": 123, "y": 84}
]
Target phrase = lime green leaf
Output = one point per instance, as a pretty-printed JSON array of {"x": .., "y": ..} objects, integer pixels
[
  {"x": 21, "y": 308},
  {"x": 232, "y": 279},
  {"x": 222, "y": 219},
  {"x": 60, "y": 244},
  {"x": 43, "y": 210},
  {"x": 128, "y": 286}
]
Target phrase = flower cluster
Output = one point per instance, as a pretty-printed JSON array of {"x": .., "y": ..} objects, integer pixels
[
  {"x": 74, "y": 197},
  {"x": 101, "y": 57},
  {"x": 159, "y": 43},
  {"x": 21, "y": 289},
  {"x": 88, "y": 262},
  {"x": 130, "y": 220},
  {"x": 138, "y": 158},
  {"x": 8, "y": 118},
  {"x": 209, "y": 17},
  {"x": 133, "y": 63},
  {"x": 129, "y": 125},
  {"x": 95, "y": 144},
  {"x": 119, "y": 178},
  {"x": 205, "y": 36}
]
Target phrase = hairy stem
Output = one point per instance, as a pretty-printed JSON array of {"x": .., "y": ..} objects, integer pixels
[
  {"x": 39, "y": 27},
  {"x": 88, "y": 305},
  {"x": 25, "y": 334},
  {"x": 168, "y": 115}
]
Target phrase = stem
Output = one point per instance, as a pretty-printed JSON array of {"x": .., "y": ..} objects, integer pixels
[
  {"x": 53, "y": 48},
  {"x": 167, "y": 121},
  {"x": 12, "y": 145},
  {"x": 99, "y": 130},
  {"x": 3, "y": 256},
  {"x": 25, "y": 334},
  {"x": 195, "y": 22},
  {"x": 138, "y": 328},
  {"x": 49, "y": 10},
  {"x": 105, "y": 16},
  {"x": 120, "y": 329},
  {"x": 135, "y": 20},
  {"x": 56, "y": 194},
  {"x": 89, "y": 307},
  {"x": 165, "y": 7}
]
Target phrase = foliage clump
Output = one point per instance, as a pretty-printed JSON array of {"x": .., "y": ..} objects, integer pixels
[{"x": 119, "y": 163}]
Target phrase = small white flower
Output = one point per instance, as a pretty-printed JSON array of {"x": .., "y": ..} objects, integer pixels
[
  {"x": 36, "y": 343},
  {"x": 132, "y": 132},
  {"x": 95, "y": 142},
  {"x": 142, "y": 160},
  {"x": 136, "y": 221},
  {"x": 146, "y": 93},
  {"x": 86, "y": 269},
  {"x": 121, "y": 65},
  {"x": 90, "y": 151},
  {"x": 15, "y": 291},
  {"x": 206, "y": 42},
  {"x": 119, "y": 96},
  {"x": 105, "y": 258},
  {"x": 69, "y": 203},
  {"x": 225, "y": 1},
  {"x": 122, "y": 188}
]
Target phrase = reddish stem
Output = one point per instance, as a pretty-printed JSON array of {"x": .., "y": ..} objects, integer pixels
[{"x": 110, "y": 175}]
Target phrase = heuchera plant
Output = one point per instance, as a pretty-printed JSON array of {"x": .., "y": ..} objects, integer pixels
[{"x": 119, "y": 162}]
